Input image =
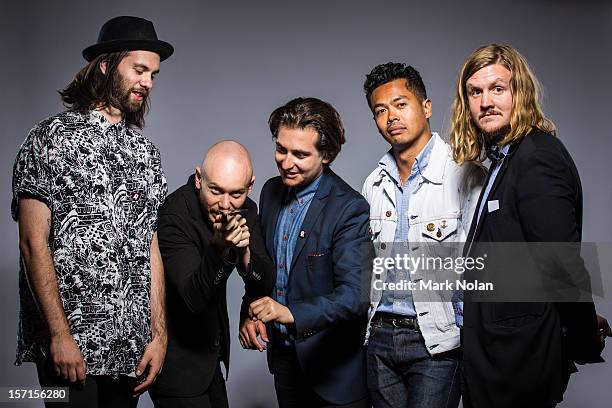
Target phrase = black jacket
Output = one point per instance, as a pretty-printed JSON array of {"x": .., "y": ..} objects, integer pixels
[
  {"x": 515, "y": 353},
  {"x": 196, "y": 277}
]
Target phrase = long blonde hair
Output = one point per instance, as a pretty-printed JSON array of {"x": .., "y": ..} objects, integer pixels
[{"x": 527, "y": 115}]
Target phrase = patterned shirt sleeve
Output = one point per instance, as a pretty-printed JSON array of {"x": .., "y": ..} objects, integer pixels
[{"x": 31, "y": 171}]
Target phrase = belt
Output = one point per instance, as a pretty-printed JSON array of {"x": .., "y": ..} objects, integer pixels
[{"x": 397, "y": 320}]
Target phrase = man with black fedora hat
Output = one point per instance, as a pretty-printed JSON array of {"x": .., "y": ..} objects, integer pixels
[{"x": 86, "y": 190}]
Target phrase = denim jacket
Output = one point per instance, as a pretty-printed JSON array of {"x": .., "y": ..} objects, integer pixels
[{"x": 447, "y": 199}]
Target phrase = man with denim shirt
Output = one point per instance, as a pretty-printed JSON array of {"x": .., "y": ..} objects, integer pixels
[
  {"x": 316, "y": 228},
  {"x": 290, "y": 219},
  {"x": 416, "y": 194}
]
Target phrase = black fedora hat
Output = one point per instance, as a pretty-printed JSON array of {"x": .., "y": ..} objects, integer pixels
[{"x": 126, "y": 33}]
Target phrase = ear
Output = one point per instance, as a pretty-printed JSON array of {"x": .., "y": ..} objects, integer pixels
[
  {"x": 198, "y": 178},
  {"x": 325, "y": 159},
  {"x": 251, "y": 185},
  {"x": 427, "y": 108},
  {"x": 103, "y": 66}
]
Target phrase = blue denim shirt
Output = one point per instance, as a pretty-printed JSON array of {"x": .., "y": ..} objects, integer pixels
[
  {"x": 400, "y": 301},
  {"x": 286, "y": 233}
]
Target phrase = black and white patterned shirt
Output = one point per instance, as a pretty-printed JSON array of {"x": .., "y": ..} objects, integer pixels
[{"x": 103, "y": 184}]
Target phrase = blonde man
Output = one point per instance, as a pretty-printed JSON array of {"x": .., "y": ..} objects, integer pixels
[{"x": 519, "y": 353}]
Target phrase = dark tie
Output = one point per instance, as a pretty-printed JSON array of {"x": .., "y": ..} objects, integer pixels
[{"x": 494, "y": 153}]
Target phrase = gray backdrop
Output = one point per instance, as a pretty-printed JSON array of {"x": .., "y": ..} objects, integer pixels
[{"x": 237, "y": 61}]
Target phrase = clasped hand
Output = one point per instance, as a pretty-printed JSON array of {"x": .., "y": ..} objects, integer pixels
[
  {"x": 262, "y": 311},
  {"x": 230, "y": 231}
]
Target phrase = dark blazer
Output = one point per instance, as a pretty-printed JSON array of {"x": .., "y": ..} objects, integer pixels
[
  {"x": 196, "y": 277},
  {"x": 328, "y": 292},
  {"x": 515, "y": 354}
]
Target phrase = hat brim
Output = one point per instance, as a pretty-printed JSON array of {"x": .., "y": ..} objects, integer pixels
[{"x": 162, "y": 48}]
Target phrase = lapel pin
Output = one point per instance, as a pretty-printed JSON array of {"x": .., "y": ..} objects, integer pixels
[
  {"x": 302, "y": 234},
  {"x": 431, "y": 226},
  {"x": 443, "y": 223},
  {"x": 439, "y": 233}
]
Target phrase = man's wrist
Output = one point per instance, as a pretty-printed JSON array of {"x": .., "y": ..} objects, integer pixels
[
  {"x": 289, "y": 316},
  {"x": 245, "y": 261},
  {"x": 161, "y": 338},
  {"x": 58, "y": 333},
  {"x": 230, "y": 256}
]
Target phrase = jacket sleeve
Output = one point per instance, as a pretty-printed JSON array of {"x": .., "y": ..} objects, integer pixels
[
  {"x": 365, "y": 190},
  {"x": 547, "y": 199},
  {"x": 197, "y": 278},
  {"x": 260, "y": 277},
  {"x": 351, "y": 268}
]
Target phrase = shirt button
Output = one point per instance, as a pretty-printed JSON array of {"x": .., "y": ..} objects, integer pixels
[
  {"x": 291, "y": 210},
  {"x": 281, "y": 265},
  {"x": 285, "y": 237},
  {"x": 388, "y": 213}
]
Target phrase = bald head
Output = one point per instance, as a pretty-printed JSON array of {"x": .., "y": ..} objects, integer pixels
[
  {"x": 225, "y": 177},
  {"x": 230, "y": 156}
]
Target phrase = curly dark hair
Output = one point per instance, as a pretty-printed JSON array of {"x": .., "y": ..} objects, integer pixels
[
  {"x": 91, "y": 89},
  {"x": 383, "y": 73},
  {"x": 301, "y": 113}
]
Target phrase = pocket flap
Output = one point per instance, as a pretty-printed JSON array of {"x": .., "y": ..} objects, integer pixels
[{"x": 439, "y": 229}]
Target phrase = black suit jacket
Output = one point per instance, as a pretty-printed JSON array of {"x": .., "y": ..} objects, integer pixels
[
  {"x": 196, "y": 276},
  {"x": 515, "y": 354}
]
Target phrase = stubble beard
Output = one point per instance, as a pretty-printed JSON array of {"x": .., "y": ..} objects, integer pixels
[{"x": 496, "y": 135}]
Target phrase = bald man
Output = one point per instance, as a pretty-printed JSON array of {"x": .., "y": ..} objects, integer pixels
[{"x": 206, "y": 229}]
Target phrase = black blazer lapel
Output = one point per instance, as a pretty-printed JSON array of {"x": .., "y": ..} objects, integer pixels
[
  {"x": 471, "y": 233},
  {"x": 501, "y": 173},
  {"x": 498, "y": 179},
  {"x": 314, "y": 211}
]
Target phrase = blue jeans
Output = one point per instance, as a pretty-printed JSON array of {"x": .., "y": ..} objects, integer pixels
[{"x": 401, "y": 373}]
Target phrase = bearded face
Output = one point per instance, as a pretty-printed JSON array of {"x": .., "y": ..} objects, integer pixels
[
  {"x": 132, "y": 81},
  {"x": 130, "y": 96}
]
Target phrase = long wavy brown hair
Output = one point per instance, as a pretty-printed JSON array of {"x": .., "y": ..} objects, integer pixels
[
  {"x": 527, "y": 115},
  {"x": 92, "y": 89}
]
